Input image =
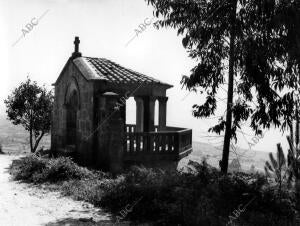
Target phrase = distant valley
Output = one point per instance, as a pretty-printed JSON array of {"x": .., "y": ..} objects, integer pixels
[{"x": 14, "y": 139}]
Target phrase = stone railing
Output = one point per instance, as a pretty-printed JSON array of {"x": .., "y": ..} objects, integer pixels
[{"x": 171, "y": 144}]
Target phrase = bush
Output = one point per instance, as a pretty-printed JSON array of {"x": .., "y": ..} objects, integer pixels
[
  {"x": 90, "y": 190},
  {"x": 204, "y": 197},
  {"x": 164, "y": 195},
  {"x": 200, "y": 196},
  {"x": 27, "y": 168},
  {"x": 40, "y": 170}
]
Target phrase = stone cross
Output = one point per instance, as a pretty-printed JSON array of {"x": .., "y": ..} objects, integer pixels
[{"x": 76, "y": 43}]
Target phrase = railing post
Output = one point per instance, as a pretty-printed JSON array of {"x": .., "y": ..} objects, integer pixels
[
  {"x": 150, "y": 142},
  {"x": 131, "y": 143},
  {"x": 138, "y": 142},
  {"x": 145, "y": 143},
  {"x": 176, "y": 144},
  {"x": 170, "y": 143},
  {"x": 156, "y": 140}
]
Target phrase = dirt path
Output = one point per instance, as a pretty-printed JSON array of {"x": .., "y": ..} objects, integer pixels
[{"x": 25, "y": 205}]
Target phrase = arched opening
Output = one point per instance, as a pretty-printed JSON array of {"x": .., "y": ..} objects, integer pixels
[
  {"x": 156, "y": 113},
  {"x": 130, "y": 111},
  {"x": 72, "y": 107}
]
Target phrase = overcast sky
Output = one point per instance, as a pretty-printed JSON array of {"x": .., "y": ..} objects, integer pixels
[{"x": 104, "y": 28}]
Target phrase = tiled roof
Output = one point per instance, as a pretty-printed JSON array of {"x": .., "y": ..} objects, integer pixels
[{"x": 103, "y": 69}]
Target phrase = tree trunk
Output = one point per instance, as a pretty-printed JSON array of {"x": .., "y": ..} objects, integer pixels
[
  {"x": 37, "y": 141},
  {"x": 297, "y": 190},
  {"x": 31, "y": 143},
  {"x": 297, "y": 128},
  {"x": 291, "y": 132},
  {"x": 227, "y": 137}
]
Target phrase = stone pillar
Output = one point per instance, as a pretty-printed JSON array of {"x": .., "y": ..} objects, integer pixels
[
  {"x": 116, "y": 145},
  {"x": 162, "y": 116},
  {"x": 149, "y": 105},
  {"x": 110, "y": 134},
  {"x": 139, "y": 114}
]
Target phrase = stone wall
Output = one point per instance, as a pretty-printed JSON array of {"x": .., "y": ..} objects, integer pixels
[{"x": 69, "y": 79}]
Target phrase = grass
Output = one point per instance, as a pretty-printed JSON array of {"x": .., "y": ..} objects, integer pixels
[{"x": 201, "y": 196}]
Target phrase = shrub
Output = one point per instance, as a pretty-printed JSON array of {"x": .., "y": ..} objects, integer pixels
[
  {"x": 62, "y": 168},
  {"x": 26, "y": 168},
  {"x": 278, "y": 169},
  {"x": 152, "y": 186},
  {"x": 40, "y": 170},
  {"x": 90, "y": 190},
  {"x": 204, "y": 197},
  {"x": 200, "y": 196}
]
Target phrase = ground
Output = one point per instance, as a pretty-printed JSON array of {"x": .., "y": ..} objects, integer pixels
[{"x": 25, "y": 205}]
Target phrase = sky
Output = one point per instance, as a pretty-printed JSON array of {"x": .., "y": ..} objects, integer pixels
[{"x": 39, "y": 48}]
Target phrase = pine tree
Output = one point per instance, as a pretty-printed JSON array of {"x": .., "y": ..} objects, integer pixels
[{"x": 277, "y": 168}]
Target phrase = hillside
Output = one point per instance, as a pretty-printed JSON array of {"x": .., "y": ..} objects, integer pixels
[
  {"x": 15, "y": 139},
  {"x": 213, "y": 154}
]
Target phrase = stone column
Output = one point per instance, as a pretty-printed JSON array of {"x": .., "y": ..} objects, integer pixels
[
  {"x": 139, "y": 114},
  {"x": 149, "y": 105},
  {"x": 110, "y": 134},
  {"x": 162, "y": 117}
]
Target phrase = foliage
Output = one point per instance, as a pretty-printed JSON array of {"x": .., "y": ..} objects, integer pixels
[
  {"x": 199, "y": 196},
  {"x": 287, "y": 171},
  {"x": 40, "y": 170},
  {"x": 278, "y": 168},
  {"x": 90, "y": 190},
  {"x": 294, "y": 158},
  {"x": 30, "y": 105},
  {"x": 27, "y": 168},
  {"x": 204, "y": 197},
  {"x": 257, "y": 39}
]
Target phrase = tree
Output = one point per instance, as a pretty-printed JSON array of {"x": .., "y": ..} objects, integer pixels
[
  {"x": 252, "y": 169},
  {"x": 294, "y": 150},
  {"x": 278, "y": 168},
  {"x": 235, "y": 165},
  {"x": 294, "y": 157},
  {"x": 241, "y": 43},
  {"x": 30, "y": 105}
]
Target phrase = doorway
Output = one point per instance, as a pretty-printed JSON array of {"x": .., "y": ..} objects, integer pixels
[{"x": 72, "y": 107}]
